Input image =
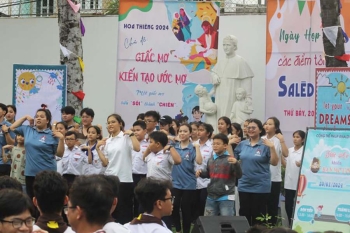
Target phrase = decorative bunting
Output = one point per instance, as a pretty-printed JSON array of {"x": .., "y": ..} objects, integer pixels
[
  {"x": 344, "y": 57},
  {"x": 65, "y": 51},
  {"x": 346, "y": 38},
  {"x": 301, "y": 4},
  {"x": 82, "y": 27},
  {"x": 82, "y": 65},
  {"x": 79, "y": 94},
  {"x": 331, "y": 33},
  {"x": 77, "y": 119},
  {"x": 73, "y": 6}
]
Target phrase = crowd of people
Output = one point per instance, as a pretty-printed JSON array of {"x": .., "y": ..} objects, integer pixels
[{"x": 159, "y": 174}]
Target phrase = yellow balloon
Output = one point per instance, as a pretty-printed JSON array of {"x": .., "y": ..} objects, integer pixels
[{"x": 26, "y": 81}]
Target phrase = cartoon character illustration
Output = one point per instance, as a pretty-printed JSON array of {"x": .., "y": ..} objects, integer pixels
[
  {"x": 26, "y": 81},
  {"x": 319, "y": 210},
  {"x": 315, "y": 165}
]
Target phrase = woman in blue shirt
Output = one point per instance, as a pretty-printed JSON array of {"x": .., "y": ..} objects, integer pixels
[
  {"x": 41, "y": 145},
  {"x": 184, "y": 179},
  {"x": 255, "y": 155}
]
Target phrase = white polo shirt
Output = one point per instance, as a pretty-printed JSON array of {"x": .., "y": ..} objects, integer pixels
[
  {"x": 113, "y": 227},
  {"x": 292, "y": 170},
  {"x": 276, "y": 174},
  {"x": 148, "y": 228},
  {"x": 160, "y": 165},
  {"x": 73, "y": 161},
  {"x": 139, "y": 166},
  {"x": 118, "y": 151},
  {"x": 96, "y": 166},
  {"x": 206, "y": 152}
]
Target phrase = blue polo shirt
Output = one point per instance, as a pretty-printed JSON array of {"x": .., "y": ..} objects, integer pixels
[
  {"x": 183, "y": 174},
  {"x": 3, "y": 139},
  {"x": 255, "y": 164},
  {"x": 41, "y": 149}
]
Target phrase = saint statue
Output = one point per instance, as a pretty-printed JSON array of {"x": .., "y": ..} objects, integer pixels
[
  {"x": 206, "y": 105},
  {"x": 228, "y": 75}
]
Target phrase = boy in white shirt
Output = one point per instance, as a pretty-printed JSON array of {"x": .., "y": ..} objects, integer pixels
[
  {"x": 73, "y": 159},
  {"x": 155, "y": 197},
  {"x": 139, "y": 166}
]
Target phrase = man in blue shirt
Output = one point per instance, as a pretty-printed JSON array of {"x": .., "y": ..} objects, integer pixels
[{"x": 6, "y": 137}]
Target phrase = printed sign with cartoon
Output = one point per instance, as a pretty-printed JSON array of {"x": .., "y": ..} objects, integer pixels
[
  {"x": 322, "y": 201},
  {"x": 35, "y": 86}
]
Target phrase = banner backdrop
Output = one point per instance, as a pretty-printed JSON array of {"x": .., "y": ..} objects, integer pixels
[
  {"x": 322, "y": 201},
  {"x": 34, "y": 85},
  {"x": 165, "y": 49},
  {"x": 332, "y": 98},
  {"x": 294, "y": 49}
]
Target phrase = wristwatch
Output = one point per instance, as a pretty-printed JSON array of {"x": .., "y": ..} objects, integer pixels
[{"x": 132, "y": 134}]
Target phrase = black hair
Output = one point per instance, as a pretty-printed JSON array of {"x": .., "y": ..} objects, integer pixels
[
  {"x": 94, "y": 195},
  {"x": 14, "y": 202},
  {"x": 140, "y": 116},
  {"x": 222, "y": 137},
  {"x": 98, "y": 131},
  {"x": 47, "y": 114},
  {"x": 209, "y": 128},
  {"x": 302, "y": 134},
  {"x": 276, "y": 122},
  {"x": 177, "y": 123},
  {"x": 153, "y": 114},
  {"x": 183, "y": 119},
  {"x": 227, "y": 122},
  {"x": 114, "y": 182},
  {"x": 50, "y": 190},
  {"x": 238, "y": 128},
  {"x": 196, "y": 109},
  {"x": 3, "y": 107},
  {"x": 62, "y": 123},
  {"x": 279, "y": 230},
  {"x": 257, "y": 229},
  {"x": 13, "y": 107},
  {"x": 119, "y": 119},
  {"x": 259, "y": 124},
  {"x": 68, "y": 110},
  {"x": 188, "y": 126},
  {"x": 142, "y": 124},
  {"x": 69, "y": 133},
  {"x": 150, "y": 190},
  {"x": 7, "y": 182},
  {"x": 87, "y": 111},
  {"x": 158, "y": 136}
]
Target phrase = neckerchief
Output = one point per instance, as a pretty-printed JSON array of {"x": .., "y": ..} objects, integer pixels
[
  {"x": 145, "y": 218},
  {"x": 52, "y": 223}
]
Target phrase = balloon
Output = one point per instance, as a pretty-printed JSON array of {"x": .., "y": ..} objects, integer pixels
[{"x": 301, "y": 185}]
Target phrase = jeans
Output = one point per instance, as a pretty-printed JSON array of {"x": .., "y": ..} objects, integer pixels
[{"x": 225, "y": 208}]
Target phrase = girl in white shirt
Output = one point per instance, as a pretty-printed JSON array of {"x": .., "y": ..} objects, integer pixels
[
  {"x": 117, "y": 158},
  {"x": 95, "y": 164},
  {"x": 292, "y": 165},
  {"x": 274, "y": 134}
]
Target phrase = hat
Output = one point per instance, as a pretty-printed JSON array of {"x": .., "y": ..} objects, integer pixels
[{"x": 166, "y": 120}]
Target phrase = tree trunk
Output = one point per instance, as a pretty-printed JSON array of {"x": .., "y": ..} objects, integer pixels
[
  {"x": 330, "y": 17},
  {"x": 70, "y": 37}
]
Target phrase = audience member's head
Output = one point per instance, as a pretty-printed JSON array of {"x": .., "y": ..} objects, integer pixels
[
  {"x": 50, "y": 192},
  {"x": 279, "y": 230},
  {"x": 114, "y": 182},
  {"x": 7, "y": 182},
  {"x": 15, "y": 212},
  {"x": 257, "y": 229},
  {"x": 155, "y": 197},
  {"x": 90, "y": 201}
]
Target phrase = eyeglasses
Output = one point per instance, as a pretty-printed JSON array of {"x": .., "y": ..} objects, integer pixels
[
  {"x": 70, "y": 139},
  {"x": 65, "y": 209},
  {"x": 169, "y": 198},
  {"x": 149, "y": 121},
  {"x": 251, "y": 128},
  {"x": 17, "y": 223}
]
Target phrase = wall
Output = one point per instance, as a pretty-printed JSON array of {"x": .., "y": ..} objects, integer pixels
[{"x": 36, "y": 41}]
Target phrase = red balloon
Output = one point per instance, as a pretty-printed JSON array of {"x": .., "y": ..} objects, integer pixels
[{"x": 302, "y": 185}]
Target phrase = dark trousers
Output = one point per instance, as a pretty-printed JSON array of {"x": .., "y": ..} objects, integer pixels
[
  {"x": 253, "y": 205},
  {"x": 123, "y": 213},
  {"x": 136, "y": 178},
  {"x": 5, "y": 169},
  {"x": 289, "y": 203},
  {"x": 70, "y": 179},
  {"x": 199, "y": 203},
  {"x": 273, "y": 201},
  {"x": 183, "y": 199}
]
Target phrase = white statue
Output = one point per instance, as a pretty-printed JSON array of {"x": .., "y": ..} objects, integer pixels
[
  {"x": 206, "y": 105},
  {"x": 242, "y": 108},
  {"x": 229, "y": 74}
]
